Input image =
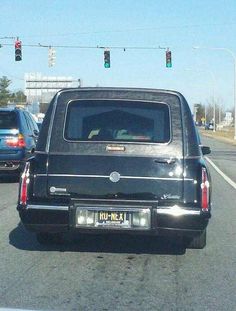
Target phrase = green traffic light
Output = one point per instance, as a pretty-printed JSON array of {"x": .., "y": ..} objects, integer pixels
[
  {"x": 168, "y": 59},
  {"x": 107, "y": 62}
]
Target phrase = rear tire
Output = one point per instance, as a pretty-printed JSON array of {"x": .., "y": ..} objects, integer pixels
[
  {"x": 46, "y": 238},
  {"x": 197, "y": 242}
]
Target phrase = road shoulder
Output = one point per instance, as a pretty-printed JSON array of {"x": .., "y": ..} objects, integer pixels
[{"x": 217, "y": 137}]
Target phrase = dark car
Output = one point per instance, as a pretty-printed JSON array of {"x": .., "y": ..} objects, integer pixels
[
  {"x": 112, "y": 160},
  {"x": 18, "y": 135},
  {"x": 209, "y": 126}
]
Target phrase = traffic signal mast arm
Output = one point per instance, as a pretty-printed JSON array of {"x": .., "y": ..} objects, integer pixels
[{"x": 107, "y": 60}]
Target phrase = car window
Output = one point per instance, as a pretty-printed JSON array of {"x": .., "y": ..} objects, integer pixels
[
  {"x": 33, "y": 123},
  {"x": 8, "y": 120},
  {"x": 27, "y": 122},
  {"x": 113, "y": 120}
]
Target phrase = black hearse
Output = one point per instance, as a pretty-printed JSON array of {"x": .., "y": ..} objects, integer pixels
[{"x": 117, "y": 160}]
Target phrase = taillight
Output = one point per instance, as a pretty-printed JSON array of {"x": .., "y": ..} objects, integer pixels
[
  {"x": 24, "y": 185},
  {"x": 205, "y": 191},
  {"x": 17, "y": 141},
  {"x": 21, "y": 141}
]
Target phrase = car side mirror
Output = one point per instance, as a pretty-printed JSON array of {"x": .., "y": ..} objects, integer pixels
[{"x": 205, "y": 150}]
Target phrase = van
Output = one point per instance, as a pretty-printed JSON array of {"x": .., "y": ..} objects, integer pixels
[{"x": 112, "y": 160}]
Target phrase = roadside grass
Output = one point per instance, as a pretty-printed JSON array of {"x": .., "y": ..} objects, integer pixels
[{"x": 226, "y": 133}]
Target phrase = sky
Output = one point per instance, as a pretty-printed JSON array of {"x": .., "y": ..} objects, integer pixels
[{"x": 199, "y": 74}]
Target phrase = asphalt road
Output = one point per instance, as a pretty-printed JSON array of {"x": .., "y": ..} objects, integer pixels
[
  {"x": 223, "y": 155},
  {"x": 122, "y": 273}
]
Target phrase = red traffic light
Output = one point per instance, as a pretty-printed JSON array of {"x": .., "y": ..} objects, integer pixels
[
  {"x": 18, "y": 44},
  {"x": 18, "y": 52}
]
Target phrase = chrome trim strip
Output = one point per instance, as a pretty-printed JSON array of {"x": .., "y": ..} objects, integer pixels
[
  {"x": 72, "y": 175},
  {"x": 178, "y": 212},
  {"x": 121, "y": 177},
  {"x": 9, "y": 168},
  {"x": 48, "y": 207},
  {"x": 107, "y": 227},
  {"x": 61, "y": 153},
  {"x": 117, "y": 201},
  {"x": 114, "y": 208},
  {"x": 154, "y": 178}
]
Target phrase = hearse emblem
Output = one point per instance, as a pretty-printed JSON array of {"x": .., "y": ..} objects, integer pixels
[{"x": 114, "y": 177}]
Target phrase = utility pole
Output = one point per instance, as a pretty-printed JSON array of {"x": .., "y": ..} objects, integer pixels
[
  {"x": 234, "y": 84},
  {"x": 79, "y": 83},
  {"x": 195, "y": 109},
  {"x": 213, "y": 92},
  {"x": 214, "y": 114}
]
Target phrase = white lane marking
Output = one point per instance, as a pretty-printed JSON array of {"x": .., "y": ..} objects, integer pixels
[{"x": 229, "y": 180}]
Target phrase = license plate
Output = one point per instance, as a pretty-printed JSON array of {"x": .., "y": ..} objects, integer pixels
[{"x": 113, "y": 218}]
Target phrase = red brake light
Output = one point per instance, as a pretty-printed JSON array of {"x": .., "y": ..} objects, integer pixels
[
  {"x": 24, "y": 185},
  {"x": 21, "y": 141},
  {"x": 17, "y": 141},
  {"x": 205, "y": 191}
]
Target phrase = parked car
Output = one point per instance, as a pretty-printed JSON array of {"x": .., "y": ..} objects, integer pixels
[
  {"x": 209, "y": 126},
  {"x": 114, "y": 160},
  {"x": 18, "y": 136}
]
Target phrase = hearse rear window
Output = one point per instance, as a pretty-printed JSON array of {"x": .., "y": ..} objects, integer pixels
[{"x": 117, "y": 120}]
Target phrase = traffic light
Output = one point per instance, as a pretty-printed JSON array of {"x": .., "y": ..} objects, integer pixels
[
  {"x": 51, "y": 56},
  {"x": 18, "y": 52},
  {"x": 107, "y": 61},
  {"x": 168, "y": 59}
]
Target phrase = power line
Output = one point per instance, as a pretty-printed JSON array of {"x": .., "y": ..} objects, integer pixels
[{"x": 7, "y": 37}]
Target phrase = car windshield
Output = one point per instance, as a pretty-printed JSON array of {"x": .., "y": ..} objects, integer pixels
[
  {"x": 126, "y": 121},
  {"x": 8, "y": 120}
]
